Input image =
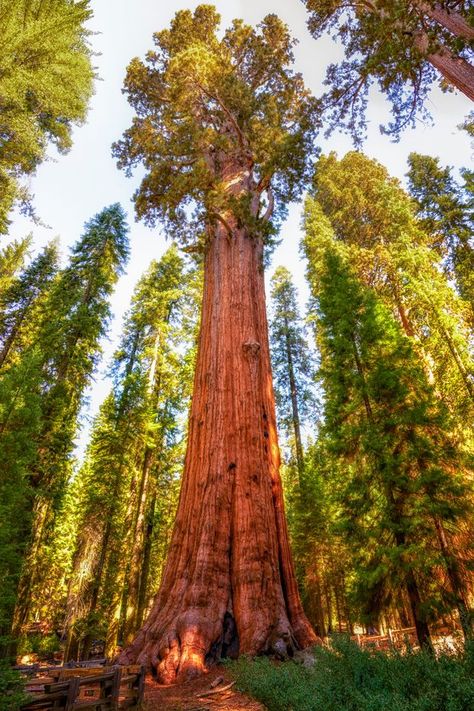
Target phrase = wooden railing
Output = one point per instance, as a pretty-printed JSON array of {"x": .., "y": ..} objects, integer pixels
[
  {"x": 90, "y": 689},
  {"x": 398, "y": 639}
]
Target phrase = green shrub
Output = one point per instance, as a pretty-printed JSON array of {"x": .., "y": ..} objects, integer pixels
[
  {"x": 42, "y": 645},
  {"x": 348, "y": 678},
  {"x": 12, "y": 694}
]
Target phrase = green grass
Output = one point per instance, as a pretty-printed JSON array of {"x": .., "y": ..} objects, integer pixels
[{"x": 347, "y": 678}]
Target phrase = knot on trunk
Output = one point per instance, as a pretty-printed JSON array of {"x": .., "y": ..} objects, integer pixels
[{"x": 251, "y": 348}]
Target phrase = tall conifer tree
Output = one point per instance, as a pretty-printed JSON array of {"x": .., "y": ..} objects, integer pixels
[
  {"x": 225, "y": 130},
  {"x": 292, "y": 361},
  {"x": 127, "y": 451},
  {"x": 47, "y": 382},
  {"x": 392, "y": 253},
  {"x": 45, "y": 85},
  {"x": 446, "y": 210},
  {"x": 406, "y": 485}
]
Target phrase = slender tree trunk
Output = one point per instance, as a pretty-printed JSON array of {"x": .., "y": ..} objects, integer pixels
[
  {"x": 403, "y": 615},
  {"x": 422, "y": 629},
  {"x": 327, "y": 592},
  {"x": 229, "y": 557},
  {"x": 10, "y": 339},
  {"x": 338, "y": 606},
  {"x": 145, "y": 571},
  {"x": 137, "y": 550},
  {"x": 319, "y": 612},
  {"x": 294, "y": 404},
  {"x": 40, "y": 515},
  {"x": 118, "y": 574},
  {"x": 455, "y": 578},
  {"x": 313, "y": 596}
]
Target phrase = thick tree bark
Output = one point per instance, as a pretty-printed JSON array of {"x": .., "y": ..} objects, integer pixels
[
  {"x": 456, "y": 70},
  {"x": 229, "y": 577},
  {"x": 450, "y": 20}
]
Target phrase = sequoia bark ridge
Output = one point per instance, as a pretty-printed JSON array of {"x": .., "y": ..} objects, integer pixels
[{"x": 229, "y": 584}]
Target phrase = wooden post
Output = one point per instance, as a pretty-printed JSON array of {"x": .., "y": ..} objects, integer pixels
[
  {"x": 141, "y": 685},
  {"x": 116, "y": 687},
  {"x": 72, "y": 693}
]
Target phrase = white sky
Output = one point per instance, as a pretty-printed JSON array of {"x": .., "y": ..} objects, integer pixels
[{"x": 70, "y": 189}]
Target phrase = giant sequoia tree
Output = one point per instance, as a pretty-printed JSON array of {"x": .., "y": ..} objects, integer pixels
[
  {"x": 402, "y": 45},
  {"x": 225, "y": 130}
]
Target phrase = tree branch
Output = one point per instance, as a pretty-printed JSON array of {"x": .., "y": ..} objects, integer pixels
[
  {"x": 242, "y": 140},
  {"x": 271, "y": 205}
]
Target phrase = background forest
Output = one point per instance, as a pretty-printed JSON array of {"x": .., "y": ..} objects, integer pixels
[{"x": 371, "y": 330}]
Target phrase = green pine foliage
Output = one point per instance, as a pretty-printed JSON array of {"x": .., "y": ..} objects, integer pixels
[
  {"x": 446, "y": 211},
  {"x": 45, "y": 85},
  {"x": 53, "y": 325},
  {"x": 12, "y": 258},
  {"x": 403, "y": 480},
  {"x": 21, "y": 304},
  {"x": 292, "y": 363},
  {"x": 128, "y": 478},
  {"x": 393, "y": 254},
  {"x": 390, "y": 45}
]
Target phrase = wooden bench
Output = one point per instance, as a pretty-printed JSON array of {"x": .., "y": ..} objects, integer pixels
[{"x": 94, "y": 689}]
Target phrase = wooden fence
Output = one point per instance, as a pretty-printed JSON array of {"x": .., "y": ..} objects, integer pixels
[
  {"x": 88, "y": 689},
  {"x": 398, "y": 639}
]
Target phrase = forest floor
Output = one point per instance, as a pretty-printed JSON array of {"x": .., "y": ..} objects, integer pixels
[{"x": 193, "y": 695}]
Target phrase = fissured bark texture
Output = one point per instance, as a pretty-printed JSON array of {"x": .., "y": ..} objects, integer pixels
[{"x": 229, "y": 584}]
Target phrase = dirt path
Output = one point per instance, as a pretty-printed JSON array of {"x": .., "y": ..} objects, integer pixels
[{"x": 188, "y": 697}]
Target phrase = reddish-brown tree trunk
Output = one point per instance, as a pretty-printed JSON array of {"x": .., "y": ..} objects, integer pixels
[
  {"x": 458, "y": 585},
  {"x": 450, "y": 20},
  {"x": 229, "y": 578},
  {"x": 294, "y": 403},
  {"x": 456, "y": 70}
]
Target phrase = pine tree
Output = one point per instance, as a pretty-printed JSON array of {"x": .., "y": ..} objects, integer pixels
[
  {"x": 12, "y": 258},
  {"x": 446, "y": 210},
  {"x": 225, "y": 127},
  {"x": 405, "y": 482},
  {"x": 21, "y": 303},
  {"x": 44, "y": 387},
  {"x": 128, "y": 449},
  {"x": 292, "y": 362},
  {"x": 21, "y": 306},
  {"x": 402, "y": 46},
  {"x": 391, "y": 253},
  {"x": 20, "y": 417},
  {"x": 45, "y": 85}
]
